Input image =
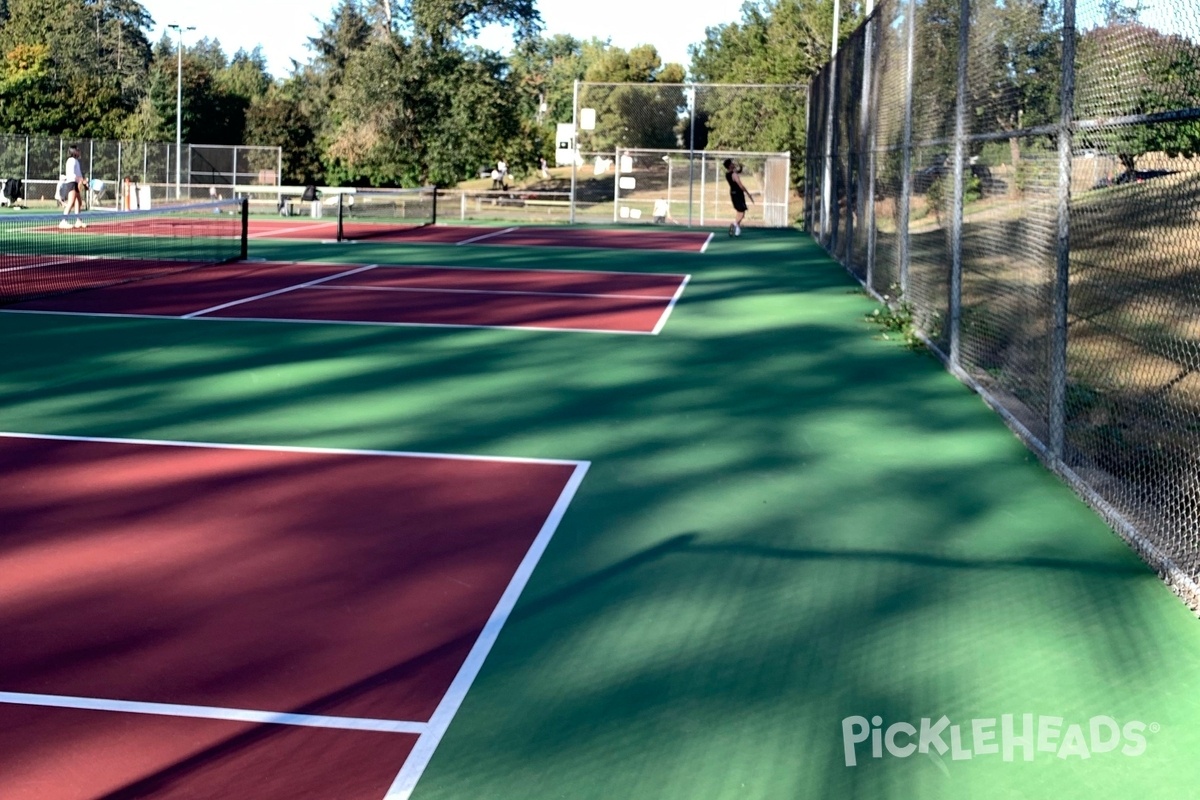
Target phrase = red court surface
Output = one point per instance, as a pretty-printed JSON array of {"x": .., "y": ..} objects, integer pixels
[
  {"x": 187, "y": 620},
  {"x": 558, "y": 300}
]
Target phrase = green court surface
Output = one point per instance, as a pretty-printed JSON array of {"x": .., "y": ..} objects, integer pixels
[{"x": 790, "y": 526}]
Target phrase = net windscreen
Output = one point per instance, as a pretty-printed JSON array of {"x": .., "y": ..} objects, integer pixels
[
  {"x": 44, "y": 254},
  {"x": 369, "y": 213},
  {"x": 1042, "y": 231}
]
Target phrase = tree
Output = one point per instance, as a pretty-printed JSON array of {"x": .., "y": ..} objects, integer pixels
[
  {"x": 628, "y": 114},
  {"x": 1155, "y": 73},
  {"x": 279, "y": 118},
  {"x": 776, "y": 42}
]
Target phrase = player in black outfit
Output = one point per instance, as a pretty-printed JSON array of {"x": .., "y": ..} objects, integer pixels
[{"x": 737, "y": 194}]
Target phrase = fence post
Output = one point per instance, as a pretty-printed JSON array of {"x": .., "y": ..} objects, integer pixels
[
  {"x": 616, "y": 181},
  {"x": 575, "y": 145},
  {"x": 1062, "y": 273},
  {"x": 960, "y": 157},
  {"x": 864, "y": 107},
  {"x": 830, "y": 103},
  {"x": 906, "y": 156},
  {"x": 27, "y": 168},
  {"x": 691, "y": 150},
  {"x": 872, "y": 104}
]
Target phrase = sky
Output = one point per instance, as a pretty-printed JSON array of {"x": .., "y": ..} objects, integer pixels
[{"x": 284, "y": 28}]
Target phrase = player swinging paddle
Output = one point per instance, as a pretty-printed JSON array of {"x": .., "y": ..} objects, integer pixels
[{"x": 737, "y": 194}]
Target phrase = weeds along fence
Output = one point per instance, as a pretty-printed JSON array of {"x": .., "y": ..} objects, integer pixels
[
  {"x": 38, "y": 161},
  {"x": 653, "y": 152},
  {"x": 1021, "y": 178}
]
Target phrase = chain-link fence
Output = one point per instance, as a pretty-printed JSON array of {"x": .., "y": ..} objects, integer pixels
[
  {"x": 653, "y": 152},
  {"x": 39, "y": 161},
  {"x": 1024, "y": 179}
]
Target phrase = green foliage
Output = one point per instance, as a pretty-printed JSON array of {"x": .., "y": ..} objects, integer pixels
[
  {"x": 896, "y": 321},
  {"x": 1156, "y": 72},
  {"x": 776, "y": 41}
]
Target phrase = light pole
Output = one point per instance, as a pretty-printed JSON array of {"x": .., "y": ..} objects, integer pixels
[{"x": 179, "y": 29}]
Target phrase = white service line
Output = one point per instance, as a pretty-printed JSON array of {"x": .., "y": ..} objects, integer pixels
[
  {"x": 214, "y": 712},
  {"x": 356, "y": 287},
  {"x": 707, "y": 242},
  {"x": 671, "y": 306},
  {"x": 284, "y": 290},
  {"x": 486, "y": 236},
  {"x": 61, "y": 263},
  {"x": 279, "y": 448},
  {"x": 414, "y": 766}
]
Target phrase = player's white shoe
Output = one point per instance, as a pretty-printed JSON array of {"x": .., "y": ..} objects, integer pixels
[
  {"x": 80, "y": 224},
  {"x": 65, "y": 225}
]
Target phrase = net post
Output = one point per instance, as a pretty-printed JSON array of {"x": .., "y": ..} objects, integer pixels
[
  {"x": 433, "y": 211},
  {"x": 341, "y": 231},
  {"x": 245, "y": 231}
]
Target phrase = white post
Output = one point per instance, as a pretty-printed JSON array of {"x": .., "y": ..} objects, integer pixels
[
  {"x": 691, "y": 149},
  {"x": 616, "y": 183},
  {"x": 574, "y": 145},
  {"x": 703, "y": 182},
  {"x": 827, "y": 232}
]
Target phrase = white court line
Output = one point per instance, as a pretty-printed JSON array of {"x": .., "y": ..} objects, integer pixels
[
  {"x": 42, "y": 264},
  {"x": 214, "y": 712},
  {"x": 485, "y": 236},
  {"x": 358, "y": 288},
  {"x": 429, "y": 734},
  {"x": 671, "y": 306},
  {"x": 402, "y": 787},
  {"x": 277, "y": 291},
  {"x": 227, "y": 320},
  {"x": 288, "y": 449},
  {"x": 707, "y": 242},
  {"x": 553, "y": 270}
]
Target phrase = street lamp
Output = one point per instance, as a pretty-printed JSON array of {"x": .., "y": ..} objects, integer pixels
[{"x": 179, "y": 29}]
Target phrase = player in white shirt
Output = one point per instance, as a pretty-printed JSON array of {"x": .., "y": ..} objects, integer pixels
[{"x": 74, "y": 187}]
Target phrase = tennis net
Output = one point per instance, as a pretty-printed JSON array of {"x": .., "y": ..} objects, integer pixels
[
  {"x": 39, "y": 257},
  {"x": 367, "y": 213}
]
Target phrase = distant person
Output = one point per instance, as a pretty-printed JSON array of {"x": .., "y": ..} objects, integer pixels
[
  {"x": 502, "y": 166},
  {"x": 544, "y": 168},
  {"x": 497, "y": 176},
  {"x": 71, "y": 189},
  {"x": 737, "y": 194},
  {"x": 662, "y": 212}
]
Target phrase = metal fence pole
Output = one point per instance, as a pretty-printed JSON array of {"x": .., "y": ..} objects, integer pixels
[
  {"x": 574, "y": 145},
  {"x": 872, "y": 165},
  {"x": 830, "y": 103},
  {"x": 960, "y": 157},
  {"x": 616, "y": 181},
  {"x": 906, "y": 156},
  {"x": 1062, "y": 275},
  {"x": 26, "y": 167},
  {"x": 691, "y": 151}
]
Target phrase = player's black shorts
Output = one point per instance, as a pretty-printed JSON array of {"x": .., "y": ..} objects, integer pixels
[{"x": 739, "y": 201}]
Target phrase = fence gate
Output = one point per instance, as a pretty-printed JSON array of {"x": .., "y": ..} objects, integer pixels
[{"x": 776, "y": 179}]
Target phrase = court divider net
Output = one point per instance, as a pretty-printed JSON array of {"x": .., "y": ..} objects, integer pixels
[
  {"x": 367, "y": 213},
  {"x": 49, "y": 254}
]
